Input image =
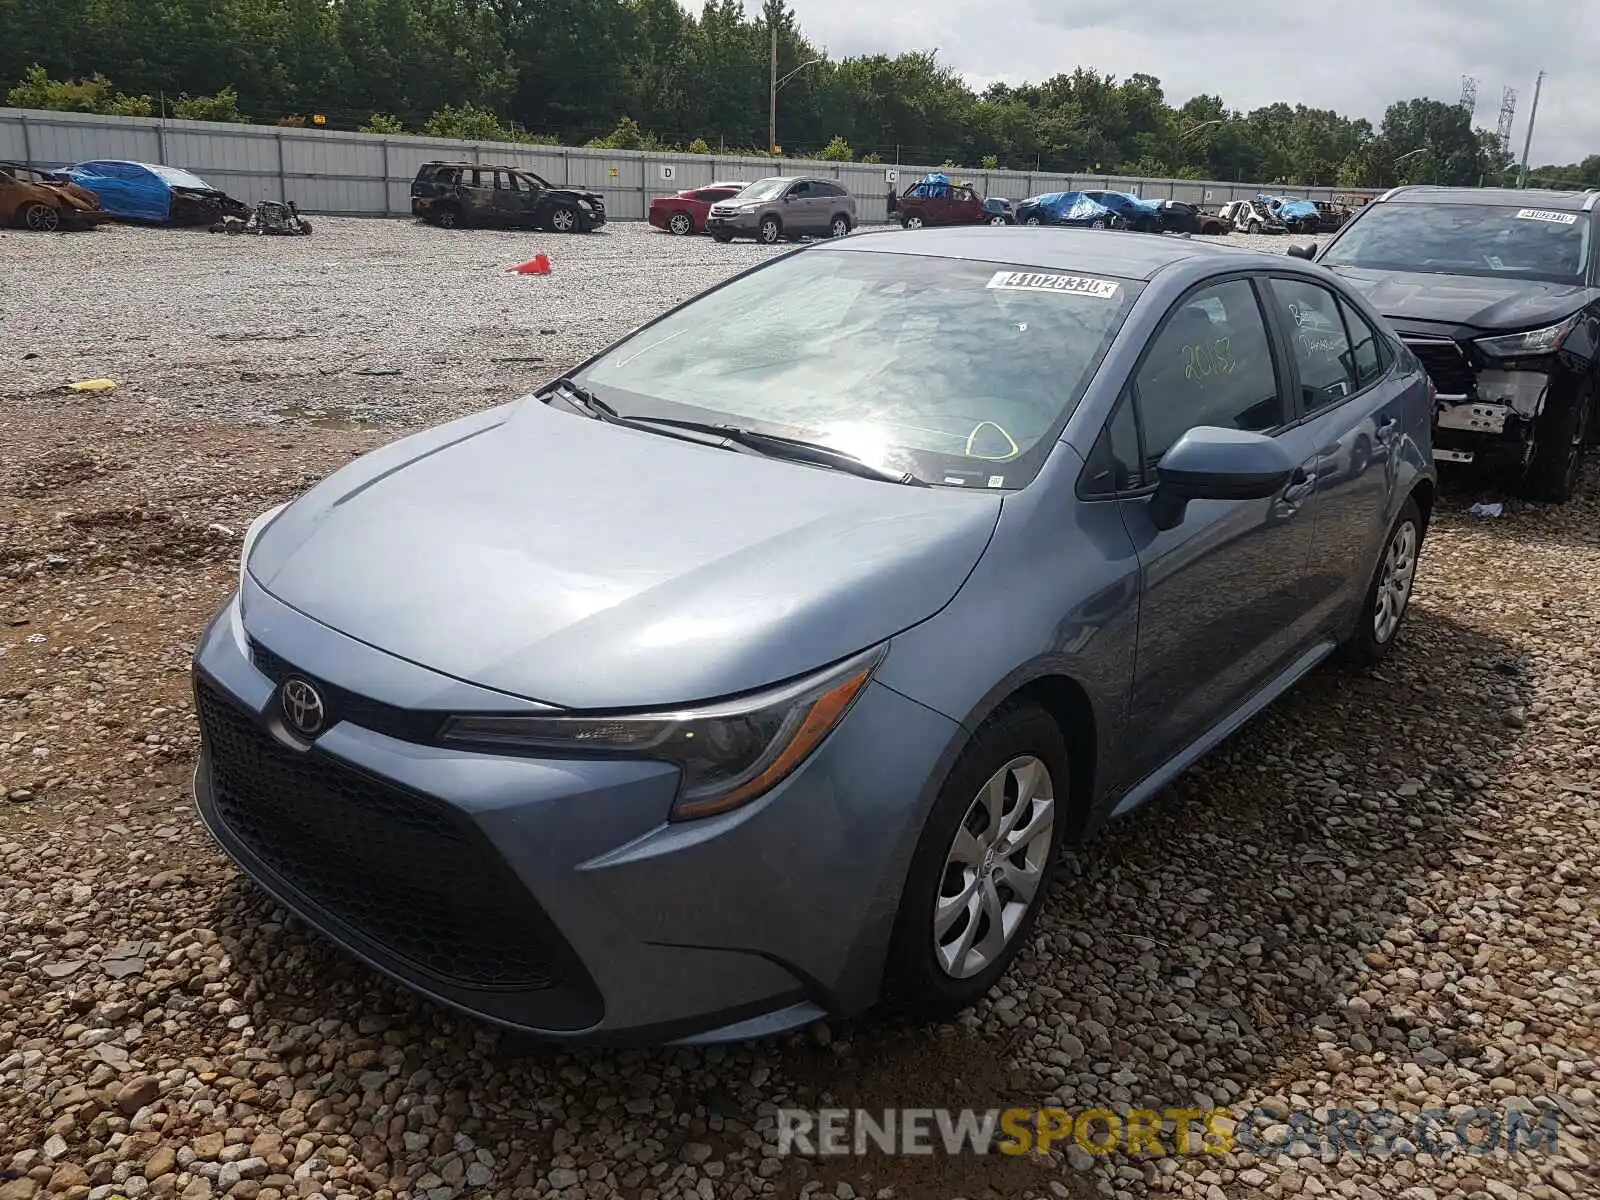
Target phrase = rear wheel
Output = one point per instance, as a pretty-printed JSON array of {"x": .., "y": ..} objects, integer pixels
[
  {"x": 1097, "y": 223},
  {"x": 840, "y": 225},
  {"x": 997, "y": 220},
  {"x": 41, "y": 218},
  {"x": 985, "y": 859},
  {"x": 1559, "y": 439},
  {"x": 681, "y": 223},
  {"x": 1033, "y": 221},
  {"x": 1253, "y": 227},
  {"x": 1389, "y": 594},
  {"x": 446, "y": 217},
  {"x": 912, "y": 222}
]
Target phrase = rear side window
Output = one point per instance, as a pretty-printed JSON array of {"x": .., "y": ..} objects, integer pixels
[
  {"x": 1370, "y": 355},
  {"x": 1317, "y": 339}
]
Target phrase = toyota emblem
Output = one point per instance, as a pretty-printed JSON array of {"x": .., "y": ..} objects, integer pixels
[{"x": 302, "y": 706}]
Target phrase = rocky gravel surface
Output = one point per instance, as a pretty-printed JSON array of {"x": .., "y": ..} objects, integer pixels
[{"x": 1382, "y": 895}]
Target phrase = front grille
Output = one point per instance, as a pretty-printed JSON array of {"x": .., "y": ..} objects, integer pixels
[
  {"x": 403, "y": 869},
  {"x": 1446, "y": 365},
  {"x": 409, "y": 725}
]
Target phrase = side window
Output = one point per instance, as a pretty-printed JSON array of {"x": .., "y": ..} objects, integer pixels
[
  {"x": 800, "y": 191},
  {"x": 505, "y": 181},
  {"x": 1369, "y": 353},
  {"x": 1114, "y": 462},
  {"x": 1211, "y": 364},
  {"x": 1317, "y": 338},
  {"x": 832, "y": 189}
]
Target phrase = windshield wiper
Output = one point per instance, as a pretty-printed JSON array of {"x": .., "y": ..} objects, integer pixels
[
  {"x": 776, "y": 446},
  {"x": 586, "y": 400}
]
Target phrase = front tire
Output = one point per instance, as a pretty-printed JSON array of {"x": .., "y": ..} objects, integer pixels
[
  {"x": 1253, "y": 227},
  {"x": 982, "y": 866},
  {"x": 771, "y": 230},
  {"x": 41, "y": 218},
  {"x": 1033, "y": 221},
  {"x": 1559, "y": 438},
  {"x": 1389, "y": 594},
  {"x": 563, "y": 219}
]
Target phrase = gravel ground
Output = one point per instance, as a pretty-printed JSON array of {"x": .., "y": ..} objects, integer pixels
[{"x": 1385, "y": 892}]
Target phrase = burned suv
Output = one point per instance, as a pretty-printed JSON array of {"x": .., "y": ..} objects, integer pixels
[
  {"x": 452, "y": 194},
  {"x": 1497, "y": 291}
]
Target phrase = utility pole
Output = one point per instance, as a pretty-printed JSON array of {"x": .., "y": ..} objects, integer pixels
[
  {"x": 772, "y": 95},
  {"x": 1527, "y": 142}
]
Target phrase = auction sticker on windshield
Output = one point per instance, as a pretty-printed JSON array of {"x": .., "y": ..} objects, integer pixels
[
  {"x": 1539, "y": 214},
  {"x": 1040, "y": 281}
]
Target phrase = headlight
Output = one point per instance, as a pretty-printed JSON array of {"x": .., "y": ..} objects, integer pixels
[
  {"x": 250, "y": 536},
  {"x": 1535, "y": 341},
  {"x": 730, "y": 753}
]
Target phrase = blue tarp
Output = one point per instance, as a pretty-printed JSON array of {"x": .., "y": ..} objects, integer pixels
[
  {"x": 1148, "y": 207},
  {"x": 935, "y": 183},
  {"x": 133, "y": 191},
  {"x": 1285, "y": 209},
  {"x": 1069, "y": 206}
]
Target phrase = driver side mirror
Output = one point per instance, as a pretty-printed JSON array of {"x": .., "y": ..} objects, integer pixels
[
  {"x": 1209, "y": 463},
  {"x": 1304, "y": 250}
]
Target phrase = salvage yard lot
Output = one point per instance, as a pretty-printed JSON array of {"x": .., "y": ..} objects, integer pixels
[{"x": 1386, "y": 891}]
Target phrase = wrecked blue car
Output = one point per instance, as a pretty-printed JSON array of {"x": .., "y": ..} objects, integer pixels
[
  {"x": 155, "y": 194},
  {"x": 1143, "y": 216},
  {"x": 1066, "y": 208}
]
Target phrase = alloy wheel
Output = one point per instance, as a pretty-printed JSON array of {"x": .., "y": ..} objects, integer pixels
[
  {"x": 680, "y": 224},
  {"x": 993, "y": 867},
  {"x": 913, "y": 222},
  {"x": 1394, "y": 583},
  {"x": 840, "y": 227},
  {"x": 447, "y": 218},
  {"x": 769, "y": 231},
  {"x": 43, "y": 219},
  {"x": 562, "y": 220}
]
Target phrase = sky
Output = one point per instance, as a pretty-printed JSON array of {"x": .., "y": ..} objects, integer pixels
[{"x": 1357, "y": 60}]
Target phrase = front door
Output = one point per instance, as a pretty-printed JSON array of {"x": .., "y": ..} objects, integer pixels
[
  {"x": 511, "y": 200},
  {"x": 1224, "y": 606}
]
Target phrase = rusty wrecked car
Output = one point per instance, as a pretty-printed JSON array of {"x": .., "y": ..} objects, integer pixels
[{"x": 45, "y": 201}]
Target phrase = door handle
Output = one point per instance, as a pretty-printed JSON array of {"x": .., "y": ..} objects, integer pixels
[
  {"x": 1301, "y": 484},
  {"x": 1384, "y": 430}
]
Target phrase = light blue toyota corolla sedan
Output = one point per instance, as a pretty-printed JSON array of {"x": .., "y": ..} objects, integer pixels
[{"x": 762, "y": 667}]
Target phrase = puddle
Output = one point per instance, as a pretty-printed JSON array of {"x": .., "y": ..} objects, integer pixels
[{"x": 319, "y": 415}]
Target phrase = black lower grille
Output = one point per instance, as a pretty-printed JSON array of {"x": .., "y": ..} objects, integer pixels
[
  {"x": 401, "y": 868},
  {"x": 1447, "y": 366}
]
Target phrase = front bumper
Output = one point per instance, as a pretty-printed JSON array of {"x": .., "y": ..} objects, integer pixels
[
  {"x": 82, "y": 218},
  {"x": 738, "y": 224},
  {"x": 552, "y": 896}
]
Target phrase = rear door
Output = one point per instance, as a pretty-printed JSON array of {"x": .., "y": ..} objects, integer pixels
[
  {"x": 1225, "y": 607},
  {"x": 1352, "y": 404},
  {"x": 966, "y": 207},
  {"x": 475, "y": 190}
]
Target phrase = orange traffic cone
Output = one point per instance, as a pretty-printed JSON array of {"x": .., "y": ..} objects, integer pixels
[{"x": 539, "y": 264}]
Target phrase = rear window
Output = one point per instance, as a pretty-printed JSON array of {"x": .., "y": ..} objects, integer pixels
[
  {"x": 1491, "y": 240},
  {"x": 960, "y": 372}
]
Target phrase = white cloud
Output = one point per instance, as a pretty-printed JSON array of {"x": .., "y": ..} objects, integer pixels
[{"x": 1352, "y": 59}]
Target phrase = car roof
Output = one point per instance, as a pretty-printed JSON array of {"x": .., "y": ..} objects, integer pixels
[
  {"x": 1546, "y": 198},
  {"x": 1126, "y": 255}
]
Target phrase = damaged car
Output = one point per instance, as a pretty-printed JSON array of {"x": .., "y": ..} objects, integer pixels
[
  {"x": 1252, "y": 217},
  {"x": 935, "y": 200},
  {"x": 451, "y": 194},
  {"x": 1066, "y": 208},
  {"x": 153, "y": 193},
  {"x": 1497, "y": 291},
  {"x": 45, "y": 201}
]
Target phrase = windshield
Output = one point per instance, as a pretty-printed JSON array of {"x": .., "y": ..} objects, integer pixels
[
  {"x": 1467, "y": 239},
  {"x": 764, "y": 189},
  {"x": 958, "y": 372}
]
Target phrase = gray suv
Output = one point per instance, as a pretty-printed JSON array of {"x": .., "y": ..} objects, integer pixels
[{"x": 784, "y": 206}]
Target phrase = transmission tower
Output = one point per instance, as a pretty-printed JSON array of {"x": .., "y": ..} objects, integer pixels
[
  {"x": 1508, "y": 111},
  {"x": 1469, "y": 95}
]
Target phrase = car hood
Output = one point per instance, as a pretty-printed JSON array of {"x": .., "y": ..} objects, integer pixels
[
  {"x": 574, "y": 194},
  {"x": 1476, "y": 301},
  {"x": 581, "y": 564}
]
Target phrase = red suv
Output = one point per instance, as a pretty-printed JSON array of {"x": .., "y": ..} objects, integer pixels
[
  {"x": 934, "y": 203},
  {"x": 685, "y": 213}
]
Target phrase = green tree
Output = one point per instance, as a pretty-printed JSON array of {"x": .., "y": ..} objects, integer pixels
[
  {"x": 224, "y": 106},
  {"x": 382, "y": 123},
  {"x": 837, "y": 150}
]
